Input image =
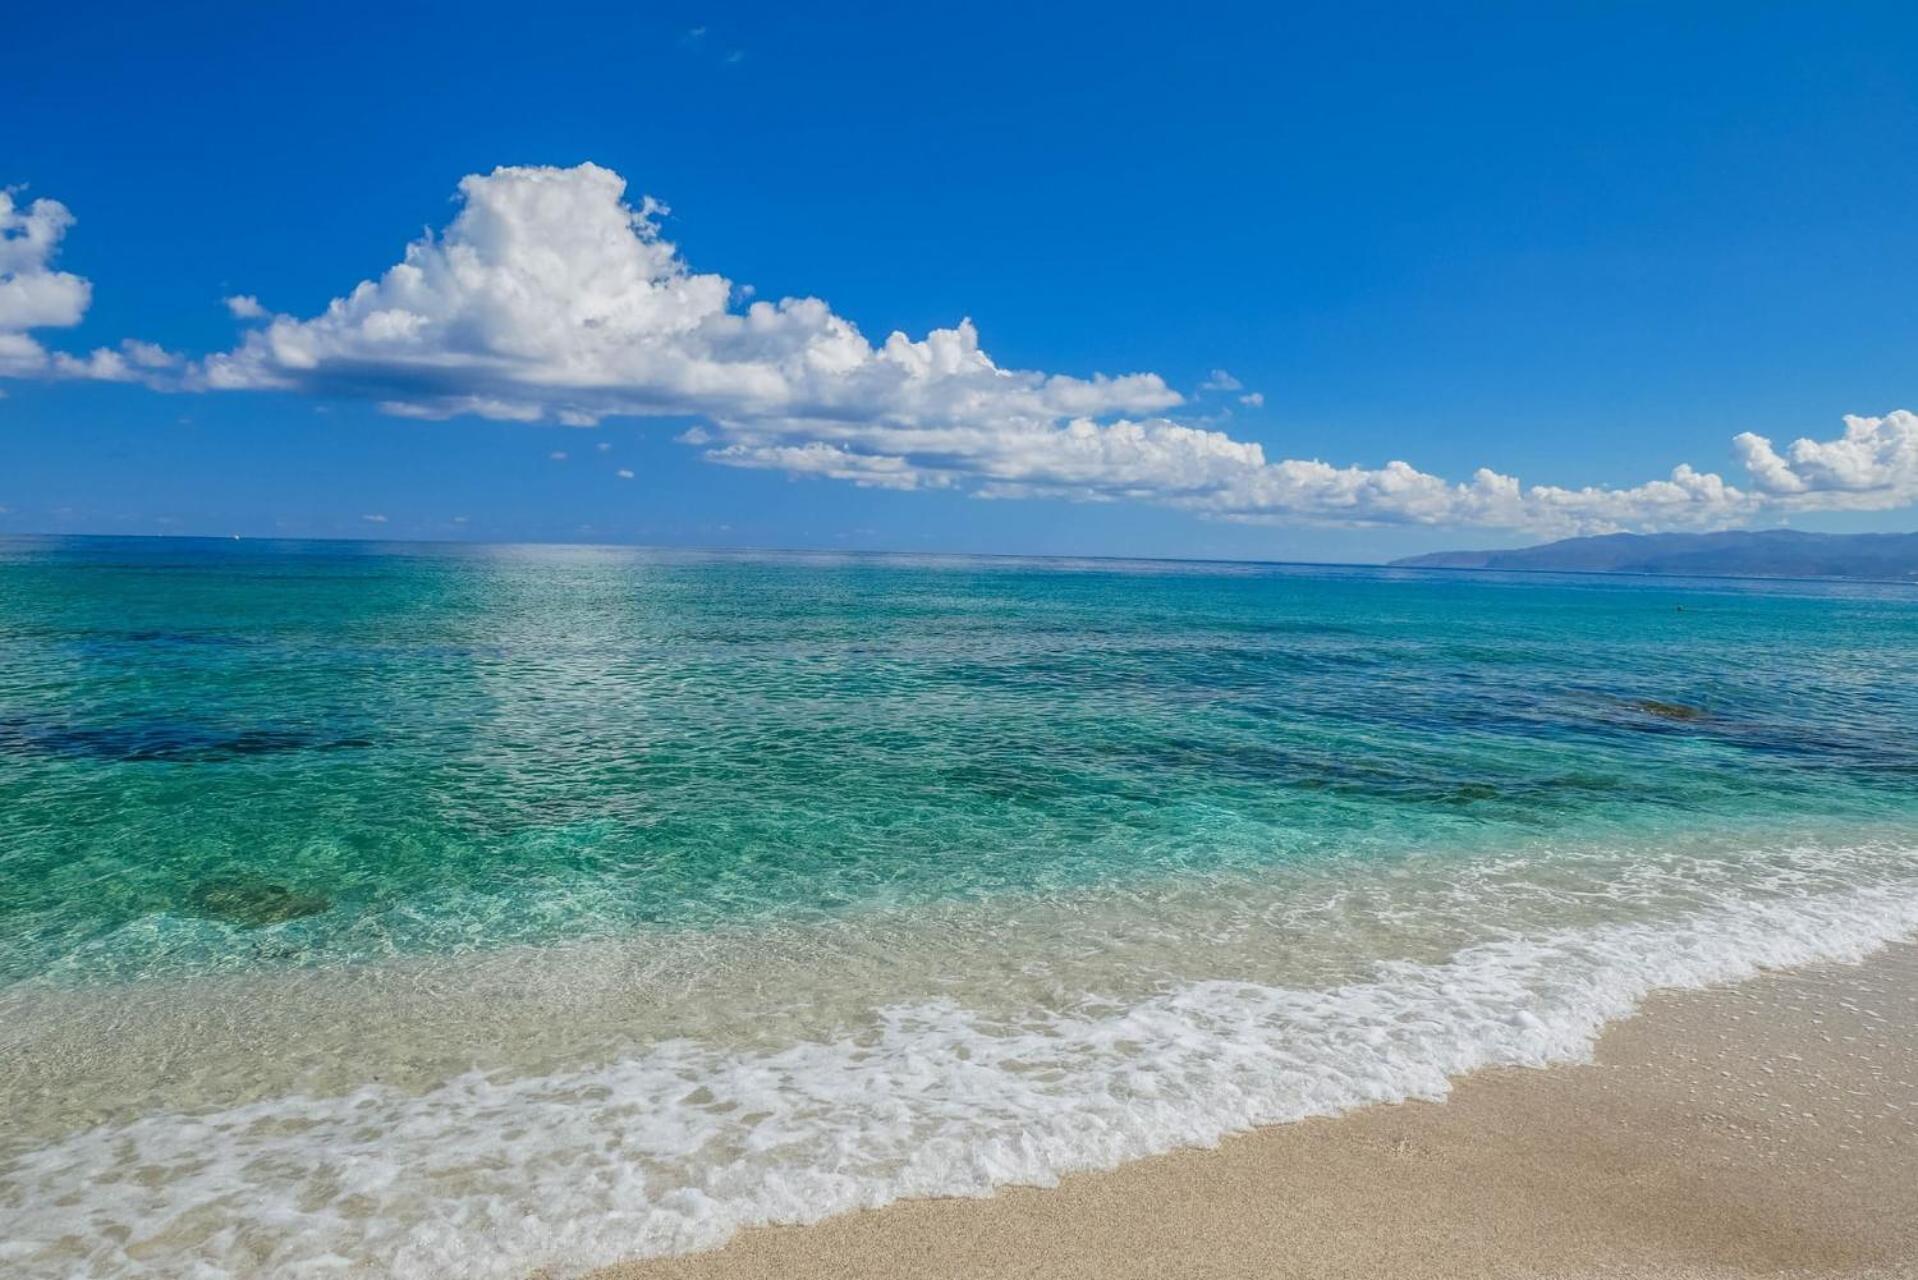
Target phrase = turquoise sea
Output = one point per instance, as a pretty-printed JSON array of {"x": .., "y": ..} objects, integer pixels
[{"x": 455, "y": 910}]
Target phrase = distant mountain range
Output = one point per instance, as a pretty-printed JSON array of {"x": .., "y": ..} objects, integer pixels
[{"x": 1770, "y": 553}]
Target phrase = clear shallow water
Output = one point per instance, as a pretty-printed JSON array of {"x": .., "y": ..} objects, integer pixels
[{"x": 459, "y": 910}]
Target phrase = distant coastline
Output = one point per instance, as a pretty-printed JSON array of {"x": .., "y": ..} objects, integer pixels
[{"x": 1769, "y": 553}]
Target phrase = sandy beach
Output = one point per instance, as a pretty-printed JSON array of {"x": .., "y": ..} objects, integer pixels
[{"x": 1760, "y": 1130}]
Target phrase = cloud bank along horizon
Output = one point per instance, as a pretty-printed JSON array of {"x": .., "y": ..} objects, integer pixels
[{"x": 551, "y": 298}]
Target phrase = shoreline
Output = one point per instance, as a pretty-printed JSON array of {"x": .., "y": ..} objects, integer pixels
[{"x": 1765, "y": 1128}]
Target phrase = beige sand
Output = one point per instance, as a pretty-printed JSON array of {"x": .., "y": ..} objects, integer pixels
[{"x": 1769, "y": 1129}]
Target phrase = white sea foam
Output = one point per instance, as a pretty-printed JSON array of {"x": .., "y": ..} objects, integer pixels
[{"x": 679, "y": 1146}]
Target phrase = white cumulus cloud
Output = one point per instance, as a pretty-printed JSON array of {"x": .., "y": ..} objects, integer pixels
[
  {"x": 1873, "y": 465},
  {"x": 552, "y": 297},
  {"x": 34, "y": 295}
]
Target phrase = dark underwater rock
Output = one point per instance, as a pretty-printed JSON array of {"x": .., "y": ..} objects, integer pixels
[
  {"x": 1668, "y": 710},
  {"x": 253, "y": 903},
  {"x": 162, "y": 740}
]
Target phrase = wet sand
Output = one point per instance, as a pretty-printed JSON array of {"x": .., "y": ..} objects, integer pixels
[{"x": 1767, "y": 1129}]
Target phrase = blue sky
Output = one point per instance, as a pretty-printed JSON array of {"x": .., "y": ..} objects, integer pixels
[{"x": 1576, "y": 245}]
